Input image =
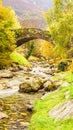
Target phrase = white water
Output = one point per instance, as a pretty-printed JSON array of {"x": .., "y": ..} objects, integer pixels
[
  {"x": 8, "y": 92},
  {"x": 39, "y": 71}
]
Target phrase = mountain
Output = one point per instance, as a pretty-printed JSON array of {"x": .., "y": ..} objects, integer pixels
[
  {"x": 41, "y": 4},
  {"x": 29, "y": 10}
]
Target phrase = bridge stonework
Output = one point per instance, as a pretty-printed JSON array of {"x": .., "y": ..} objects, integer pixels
[{"x": 31, "y": 34}]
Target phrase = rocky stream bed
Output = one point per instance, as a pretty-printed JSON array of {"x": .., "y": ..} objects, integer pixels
[{"x": 19, "y": 88}]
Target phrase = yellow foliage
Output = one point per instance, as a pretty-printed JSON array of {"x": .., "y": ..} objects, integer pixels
[
  {"x": 8, "y": 22},
  {"x": 8, "y": 18},
  {"x": 46, "y": 49},
  {"x": 33, "y": 58},
  {"x": 37, "y": 45},
  {"x": 71, "y": 66}
]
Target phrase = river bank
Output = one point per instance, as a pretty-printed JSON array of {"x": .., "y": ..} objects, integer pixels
[{"x": 20, "y": 87}]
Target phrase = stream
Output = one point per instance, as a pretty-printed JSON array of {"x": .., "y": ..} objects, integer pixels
[{"x": 18, "y": 107}]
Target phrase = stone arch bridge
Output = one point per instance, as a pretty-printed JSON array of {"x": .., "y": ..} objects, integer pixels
[{"x": 28, "y": 34}]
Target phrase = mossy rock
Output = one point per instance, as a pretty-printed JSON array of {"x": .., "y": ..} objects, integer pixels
[
  {"x": 62, "y": 66},
  {"x": 18, "y": 58}
]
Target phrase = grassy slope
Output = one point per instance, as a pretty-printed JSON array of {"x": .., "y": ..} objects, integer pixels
[
  {"x": 41, "y": 120},
  {"x": 18, "y": 58}
]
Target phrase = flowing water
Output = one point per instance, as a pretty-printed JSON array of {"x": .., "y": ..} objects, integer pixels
[{"x": 18, "y": 107}]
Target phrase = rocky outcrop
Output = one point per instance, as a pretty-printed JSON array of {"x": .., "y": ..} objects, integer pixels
[{"x": 63, "y": 112}]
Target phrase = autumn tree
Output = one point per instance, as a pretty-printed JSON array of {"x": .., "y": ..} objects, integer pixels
[
  {"x": 46, "y": 49},
  {"x": 8, "y": 22},
  {"x": 60, "y": 26}
]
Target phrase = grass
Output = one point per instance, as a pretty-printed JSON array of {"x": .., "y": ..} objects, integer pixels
[
  {"x": 18, "y": 58},
  {"x": 41, "y": 120}
]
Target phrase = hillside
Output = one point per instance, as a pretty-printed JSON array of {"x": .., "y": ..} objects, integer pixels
[{"x": 30, "y": 11}]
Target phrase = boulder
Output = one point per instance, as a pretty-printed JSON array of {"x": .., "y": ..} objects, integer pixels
[
  {"x": 49, "y": 85},
  {"x": 30, "y": 85},
  {"x": 6, "y": 74}
]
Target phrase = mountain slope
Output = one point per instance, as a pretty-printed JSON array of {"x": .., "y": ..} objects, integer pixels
[
  {"x": 29, "y": 9},
  {"x": 41, "y": 4},
  {"x": 32, "y": 6}
]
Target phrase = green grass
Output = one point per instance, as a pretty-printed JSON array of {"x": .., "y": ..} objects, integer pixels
[
  {"x": 18, "y": 58},
  {"x": 41, "y": 120}
]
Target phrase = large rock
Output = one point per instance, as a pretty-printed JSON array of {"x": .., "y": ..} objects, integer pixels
[
  {"x": 63, "y": 112},
  {"x": 6, "y": 74},
  {"x": 49, "y": 85},
  {"x": 30, "y": 85}
]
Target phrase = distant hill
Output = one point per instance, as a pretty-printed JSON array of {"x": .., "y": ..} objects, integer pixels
[
  {"x": 41, "y": 4},
  {"x": 30, "y": 10}
]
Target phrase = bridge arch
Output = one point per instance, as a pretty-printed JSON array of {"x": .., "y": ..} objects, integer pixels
[{"x": 29, "y": 34}]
